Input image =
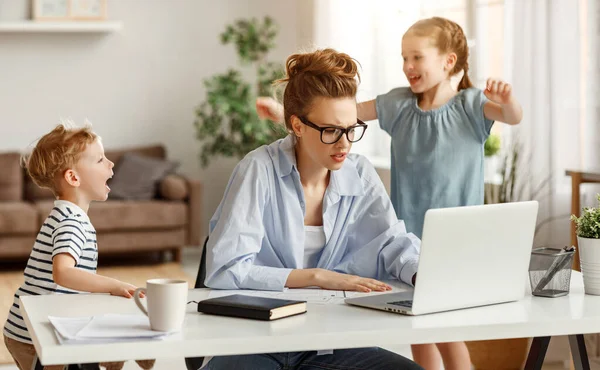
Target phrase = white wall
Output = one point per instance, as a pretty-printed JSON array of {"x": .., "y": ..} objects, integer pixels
[{"x": 137, "y": 86}]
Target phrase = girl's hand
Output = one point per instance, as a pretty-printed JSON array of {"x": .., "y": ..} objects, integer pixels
[
  {"x": 498, "y": 91},
  {"x": 268, "y": 108},
  {"x": 337, "y": 281}
]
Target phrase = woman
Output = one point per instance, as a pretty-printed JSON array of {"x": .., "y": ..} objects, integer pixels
[{"x": 304, "y": 212}]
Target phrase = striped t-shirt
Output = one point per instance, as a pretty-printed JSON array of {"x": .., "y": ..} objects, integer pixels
[{"x": 66, "y": 230}]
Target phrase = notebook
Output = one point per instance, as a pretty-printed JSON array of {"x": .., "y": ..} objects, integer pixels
[{"x": 252, "y": 307}]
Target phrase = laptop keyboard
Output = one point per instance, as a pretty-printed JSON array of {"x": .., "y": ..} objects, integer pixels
[{"x": 405, "y": 303}]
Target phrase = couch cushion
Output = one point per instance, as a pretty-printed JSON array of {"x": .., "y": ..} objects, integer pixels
[
  {"x": 11, "y": 180},
  {"x": 152, "y": 151},
  {"x": 115, "y": 215},
  {"x": 16, "y": 247},
  {"x": 136, "y": 176},
  {"x": 18, "y": 218},
  {"x": 34, "y": 192}
]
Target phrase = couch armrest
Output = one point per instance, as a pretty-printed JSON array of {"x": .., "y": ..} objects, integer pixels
[{"x": 194, "y": 234}]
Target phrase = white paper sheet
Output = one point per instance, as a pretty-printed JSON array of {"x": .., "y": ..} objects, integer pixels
[
  {"x": 106, "y": 328},
  {"x": 318, "y": 296}
]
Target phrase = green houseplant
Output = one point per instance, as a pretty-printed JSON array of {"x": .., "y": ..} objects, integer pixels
[
  {"x": 588, "y": 241},
  {"x": 492, "y": 145},
  {"x": 226, "y": 122}
]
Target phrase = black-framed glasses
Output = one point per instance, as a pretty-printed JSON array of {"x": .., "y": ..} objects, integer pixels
[{"x": 332, "y": 134}]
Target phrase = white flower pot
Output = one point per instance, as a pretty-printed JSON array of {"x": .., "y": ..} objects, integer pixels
[{"x": 589, "y": 258}]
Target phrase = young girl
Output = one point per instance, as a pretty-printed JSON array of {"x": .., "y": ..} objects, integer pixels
[{"x": 438, "y": 135}]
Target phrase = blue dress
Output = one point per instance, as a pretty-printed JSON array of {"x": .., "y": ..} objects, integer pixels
[{"x": 437, "y": 155}]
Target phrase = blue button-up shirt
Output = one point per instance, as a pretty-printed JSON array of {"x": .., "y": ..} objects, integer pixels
[{"x": 257, "y": 233}]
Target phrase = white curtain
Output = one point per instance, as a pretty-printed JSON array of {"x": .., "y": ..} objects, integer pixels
[{"x": 547, "y": 59}]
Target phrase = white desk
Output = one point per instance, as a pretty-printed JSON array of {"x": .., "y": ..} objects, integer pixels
[{"x": 322, "y": 327}]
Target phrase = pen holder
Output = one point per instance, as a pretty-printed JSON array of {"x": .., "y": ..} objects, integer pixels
[{"x": 550, "y": 271}]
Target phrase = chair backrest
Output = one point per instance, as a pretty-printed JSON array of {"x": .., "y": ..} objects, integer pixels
[{"x": 202, "y": 268}]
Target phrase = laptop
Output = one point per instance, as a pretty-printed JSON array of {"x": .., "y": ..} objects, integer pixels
[{"x": 470, "y": 256}]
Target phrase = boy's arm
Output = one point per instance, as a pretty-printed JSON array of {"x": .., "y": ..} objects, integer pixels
[
  {"x": 64, "y": 273},
  {"x": 503, "y": 106}
]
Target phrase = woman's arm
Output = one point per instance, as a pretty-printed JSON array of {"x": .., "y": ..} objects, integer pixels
[
  {"x": 237, "y": 231},
  {"x": 378, "y": 245},
  {"x": 503, "y": 106}
]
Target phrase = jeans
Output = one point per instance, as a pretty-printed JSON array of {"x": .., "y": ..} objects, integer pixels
[{"x": 341, "y": 359}]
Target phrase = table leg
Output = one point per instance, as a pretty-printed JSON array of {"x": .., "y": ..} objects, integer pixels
[
  {"x": 579, "y": 353},
  {"x": 537, "y": 353}
]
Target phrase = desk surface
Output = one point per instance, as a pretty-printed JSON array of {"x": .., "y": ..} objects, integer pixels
[{"x": 322, "y": 327}]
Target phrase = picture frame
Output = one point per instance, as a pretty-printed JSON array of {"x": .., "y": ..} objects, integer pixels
[
  {"x": 50, "y": 10},
  {"x": 87, "y": 9},
  {"x": 69, "y": 10}
]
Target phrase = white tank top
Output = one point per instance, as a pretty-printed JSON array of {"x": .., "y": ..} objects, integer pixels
[{"x": 314, "y": 242}]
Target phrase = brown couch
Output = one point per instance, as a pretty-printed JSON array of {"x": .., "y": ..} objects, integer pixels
[{"x": 160, "y": 224}]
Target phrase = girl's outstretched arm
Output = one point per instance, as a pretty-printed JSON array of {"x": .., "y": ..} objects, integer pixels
[
  {"x": 502, "y": 106},
  {"x": 367, "y": 111},
  {"x": 269, "y": 108}
]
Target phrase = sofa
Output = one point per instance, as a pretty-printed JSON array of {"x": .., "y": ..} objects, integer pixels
[{"x": 167, "y": 222}]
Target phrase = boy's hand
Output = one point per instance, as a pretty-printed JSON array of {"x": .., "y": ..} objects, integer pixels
[
  {"x": 498, "y": 91},
  {"x": 124, "y": 290},
  {"x": 268, "y": 108}
]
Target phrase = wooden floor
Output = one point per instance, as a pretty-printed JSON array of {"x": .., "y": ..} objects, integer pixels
[{"x": 11, "y": 279}]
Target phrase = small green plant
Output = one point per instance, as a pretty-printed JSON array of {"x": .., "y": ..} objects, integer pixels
[
  {"x": 588, "y": 225},
  {"x": 492, "y": 145},
  {"x": 227, "y": 123}
]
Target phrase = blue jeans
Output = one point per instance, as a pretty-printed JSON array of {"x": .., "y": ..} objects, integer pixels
[{"x": 341, "y": 359}]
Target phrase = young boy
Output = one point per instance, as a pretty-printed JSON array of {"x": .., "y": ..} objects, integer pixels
[{"x": 71, "y": 163}]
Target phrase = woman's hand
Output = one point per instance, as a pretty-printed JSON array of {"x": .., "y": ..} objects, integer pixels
[
  {"x": 268, "y": 108},
  {"x": 327, "y": 279}
]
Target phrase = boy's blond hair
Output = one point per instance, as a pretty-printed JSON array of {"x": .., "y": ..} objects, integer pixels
[{"x": 55, "y": 152}]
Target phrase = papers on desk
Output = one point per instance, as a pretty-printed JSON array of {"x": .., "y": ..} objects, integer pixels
[
  {"x": 108, "y": 328},
  {"x": 318, "y": 296},
  {"x": 314, "y": 296}
]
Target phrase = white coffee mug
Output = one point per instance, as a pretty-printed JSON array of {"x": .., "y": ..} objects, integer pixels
[{"x": 166, "y": 300}]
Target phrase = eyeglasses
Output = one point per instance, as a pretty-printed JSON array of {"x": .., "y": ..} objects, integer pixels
[{"x": 332, "y": 134}]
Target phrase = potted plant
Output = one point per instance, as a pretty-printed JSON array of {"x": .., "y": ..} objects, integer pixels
[
  {"x": 226, "y": 122},
  {"x": 491, "y": 149},
  {"x": 588, "y": 240}
]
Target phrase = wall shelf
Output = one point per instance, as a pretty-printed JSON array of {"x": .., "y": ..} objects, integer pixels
[{"x": 60, "y": 27}]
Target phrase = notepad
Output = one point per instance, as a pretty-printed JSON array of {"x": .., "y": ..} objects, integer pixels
[{"x": 252, "y": 307}]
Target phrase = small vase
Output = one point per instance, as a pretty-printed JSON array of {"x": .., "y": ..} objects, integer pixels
[{"x": 589, "y": 258}]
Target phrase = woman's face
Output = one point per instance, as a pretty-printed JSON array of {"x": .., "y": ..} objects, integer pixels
[{"x": 331, "y": 113}]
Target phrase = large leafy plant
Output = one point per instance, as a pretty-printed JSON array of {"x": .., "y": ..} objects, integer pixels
[
  {"x": 226, "y": 122},
  {"x": 588, "y": 225}
]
